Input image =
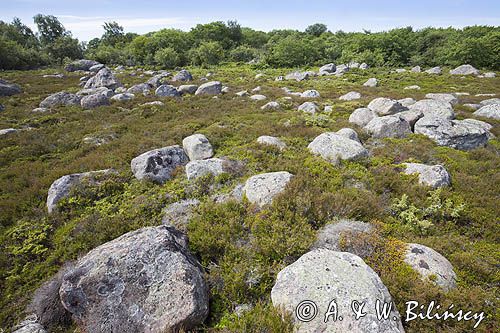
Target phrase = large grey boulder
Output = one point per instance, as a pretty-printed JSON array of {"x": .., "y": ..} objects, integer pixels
[
  {"x": 212, "y": 166},
  {"x": 371, "y": 82},
  {"x": 411, "y": 116},
  {"x": 261, "y": 189},
  {"x": 489, "y": 111},
  {"x": 434, "y": 70},
  {"x": 9, "y": 89},
  {"x": 197, "y": 147},
  {"x": 297, "y": 76},
  {"x": 182, "y": 76},
  {"x": 433, "y": 108},
  {"x": 348, "y": 133},
  {"x": 271, "y": 141},
  {"x": 309, "y": 107},
  {"x": 61, "y": 187},
  {"x": 139, "y": 88},
  {"x": 60, "y": 98},
  {"x": 481, "y": 124},
  {"x": 157, "y": 165},
  {"x": 189, "y": 89},
  {"x": 362, "y": 116},
  {"x": 456, "y": 134},
  {"x": 464, "y": 70},
  {"x": 179, "y": 213},
  {"x": 29, "y": 327},
  {"x": 350, "y": 96},
  {"x": 93, "y": 101},
  {"x": 103, "y": 78},
  {"x": 448, "y": 98},
  {"x": 144, "y": 281},
  {"x": 406, "y": 102},
  {"x": 91, "y": 91},
  {"x": 158, "y": 79},
  {"x": 430, "y": 264},
  {"x": 209, "y": 88},
  {"x": 271, "y": 106},
  {"x": 346, "y": 236},
  {"x": 385, "y": 106},
  {"x": 322, "y": 276},
  {"x": 363, "y": 66},
  {"x": 334, "y": 147},
  {"x": 166, "y": 90},
  {"x": 80, "y": 65},
  {"x": 490, "y": 101},
  {"x": 416, "y": 69},
  {"x": 123, "y": 97},
  {"x": 392, "y": 126},
  {"x": 430, "y": 175}
]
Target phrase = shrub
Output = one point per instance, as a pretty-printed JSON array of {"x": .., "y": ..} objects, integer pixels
[
  {"x": 207, "y": 54},
  {"x": 167, "y": 58}
]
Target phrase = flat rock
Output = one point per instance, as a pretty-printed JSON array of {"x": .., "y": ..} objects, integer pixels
[
  {"x": 433, "y": 108},
  {"x": 449, "y": 98},
  {"x": 334, "y": 147},
  {"x": 80, "y": 65},
  {"x": 60, "y": 98},
  {"x": 385, "y": 106},
  {"x": 197, "y": 147},
  {"x": 61, "y": 187},
  {"x": 143, "y": 281},
  {"x": 209, "y": 88},
  {"x": 271, "y": 106},
  {"x": 157, "y": 165},
  {"x": 93, "y": 101},
  {"x": 271, "y": 141},
  {"x": 392, "y": 126},
  {"x": 350, "y": 96},
  {"x": 258, "y": 97},
  {"x": 213, "y": 166},
  {"x": 123, "y": 97},
  {"x": 346, "y": 236},
  {"x": 456, "y": 134},
  {"x": 429, "y": 263},
  {"x": 430, "y": 175},
  {"x": 413, "y": 87},
  {"x": 261, "y": 189},
  {"x": 323, "y": 275},
  {"x": 464, "y": 70},
  {"x": 183, "y": 75},
  {"x": 310, "y": 94},
  {"x": 489, "y": 111}
]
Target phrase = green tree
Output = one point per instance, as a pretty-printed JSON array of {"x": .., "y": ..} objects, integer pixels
[
  {"x": 113, "y": 33},
  {"x": 49, "y": 28},
  {"x": 207, "y": 54},
  {"x": 316, "y": 29},
  {"x": 167, "y": 58}
]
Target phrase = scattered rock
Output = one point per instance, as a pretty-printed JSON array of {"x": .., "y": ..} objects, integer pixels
[
  {"x": 310, "y": 94},
  {"x": 258, "y": 76},
  {"x": 197, "y": 147},
  {"x": 434, "y": 70},
  {"x": 456, "y": 134},
  {"x": 258, "y": 97},
  {"x": 209, "y": 88},
  {"x": 472, "y": 106},
  {"x": 93, "y": 101},
  {"x": 490, "y": 101},
  {"x": 348, "y": 133},
  {"x": 341, "y": 69},
  {"x": 309, "y": 107},
  {"x": 489, "y": 111},
  {"x": 144, "y": 281},
  {"x": 297, "y": 76},
  {"x": 139, "y": 88},
  {"x": 166, "y": 90},
  {"x": 429, "y": 263},
  {"x": 29, "y": 327},
  {"x": 261, "y": 189},
  {"x": 187, "y": 89},
  {"x": 416, "y": 69},
  {"x": 392, "y": 126},
  {"x": 346, "y": 236},
  {"x": 490, "y": 75},
  {"x": 385, "y": 106},
  {"x": 449, "y": 98},
  {"x": 362, "y": 116},
  {"x": 8, "y": 131},
  {"x": 158, "y": 79},
  {"x": 414, "y": 87},
  {"x": 406, "y": 102},
  {"x": 350, "y": 96},
  {"x": 157, "y": 165},
  {"x": 103, "y": 78},
  {"x": 400, "y": 70},
  {"x": 363, "y": 66},
  {"x": 96, "y": 68},
  {"x": 60, "y": 98},
  {"x": 183, "y": 76},
  {"x": 327, "y": 69},
  {"x": 271, "y": 106},
  {"x": 332, "y": 147},
  {"x": 179, "y": 213},
  {"x": 123, "y": 97},
  {"x": 242, "y": 93},
  {"x": 256, "y": 89},
  {"x": 433, "y": 108},
  {"x": 411, "y": 116},
  {"x": 154, "y": 103},
  {"x": 235, "y": 195},
  {"x": 271, "y": 141},
  {"x": 464, "y": 70},
  {"x": 431, "y": 175},
  {"x": 80, "y": 65},
  {"x": 372, "y": 82},
  {"x": 213, "y": 166},
  {"x": 322, "y": 275},
  {"x": 61, "y": 188}
]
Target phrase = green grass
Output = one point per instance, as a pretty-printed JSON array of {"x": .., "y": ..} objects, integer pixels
[{"x": 242, "y": 250}]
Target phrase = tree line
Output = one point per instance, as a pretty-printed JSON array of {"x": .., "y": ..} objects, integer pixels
[{"x": 217, "y": 42}]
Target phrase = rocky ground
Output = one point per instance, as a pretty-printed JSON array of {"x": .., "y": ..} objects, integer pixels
[{"x": 137, "y": 200}]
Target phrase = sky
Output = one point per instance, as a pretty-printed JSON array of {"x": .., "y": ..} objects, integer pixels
[{"x": 85, "y": 17}]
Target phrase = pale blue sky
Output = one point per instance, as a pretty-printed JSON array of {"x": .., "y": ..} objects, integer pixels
[{"x": 85, "y": 17}]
